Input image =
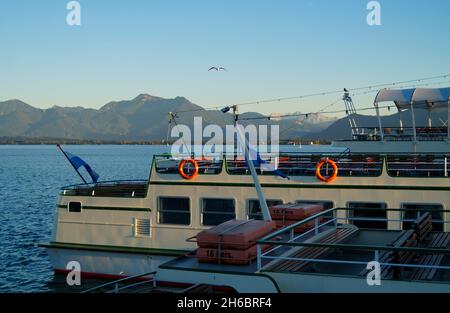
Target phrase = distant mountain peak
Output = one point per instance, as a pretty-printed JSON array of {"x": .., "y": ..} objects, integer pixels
[{"x": 145, "y": 97}]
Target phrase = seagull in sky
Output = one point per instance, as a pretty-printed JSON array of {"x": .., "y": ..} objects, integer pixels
[{"x": 217, "y": 68}]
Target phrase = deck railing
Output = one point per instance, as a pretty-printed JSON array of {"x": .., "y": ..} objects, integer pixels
[
  {"x": 118, "y": 188},
  {"x": 330, "y": 220},
  {"x": 304, "y": 164},
  {"x": 400, "y": 133},
  {"x": 125, "y": 283}
]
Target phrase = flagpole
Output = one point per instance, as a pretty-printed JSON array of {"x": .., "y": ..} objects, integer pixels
[
  {"x": 78, "y": 172},
  {"x": 262, "y": 199}
]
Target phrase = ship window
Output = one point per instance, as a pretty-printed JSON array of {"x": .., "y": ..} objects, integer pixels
[
  {"x": 173, "y": 210},
  {"x": 217, "y": 211},
  {"x": 367, "y": 215},
  {"x": 74, "y": 207},
  {"x": 414, "y": 210},
  {"x": 254, "y": 209},
  {"x": 326, "y": 204}
]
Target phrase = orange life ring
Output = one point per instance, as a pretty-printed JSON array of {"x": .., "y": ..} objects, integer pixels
[
  {"x": 190, "y": 175},
  {"x": 319, "y": 167}
]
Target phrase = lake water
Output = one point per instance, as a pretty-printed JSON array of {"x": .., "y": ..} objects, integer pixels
[{"x": 30, "y": 178}]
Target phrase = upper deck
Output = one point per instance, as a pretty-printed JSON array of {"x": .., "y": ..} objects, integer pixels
[
  {"x": 427, "y": 169},
  {"x": 414, "y": 138}
]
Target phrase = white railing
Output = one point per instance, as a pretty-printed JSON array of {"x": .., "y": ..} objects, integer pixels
[{"x": 331, "y": 224}]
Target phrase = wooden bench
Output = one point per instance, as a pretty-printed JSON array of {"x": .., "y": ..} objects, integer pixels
[
  {"x": 338, "y": 236},
  {"x": 410, "y": 238},
  {"x": 402, "y": 257},
  {"x": 423, "y": 226},
  {"x": 438, "y": 241},
  {"x": 406, "y": 238}
]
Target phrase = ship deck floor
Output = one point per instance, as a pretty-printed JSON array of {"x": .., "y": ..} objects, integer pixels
[
  {"x": 365, "y": 237},
  {"x": 362, "y": 237},
  {"x": 190, "y": 262}
]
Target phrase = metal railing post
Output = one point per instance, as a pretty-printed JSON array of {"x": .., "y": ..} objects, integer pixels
[
  {"x": 445, "y": 167},
  {"x": 316, "y": 226},
  {"x": 258, "y": 260}
]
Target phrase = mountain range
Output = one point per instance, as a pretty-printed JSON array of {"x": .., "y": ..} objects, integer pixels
[{"x": 145, "y": 118}]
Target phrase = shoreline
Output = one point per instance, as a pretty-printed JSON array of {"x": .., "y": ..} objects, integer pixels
[{"x": 62, "y": 141}]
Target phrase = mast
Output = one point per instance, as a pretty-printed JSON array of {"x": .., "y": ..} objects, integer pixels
[
  {"x": 351, "y": 112},
  {"x": 262, "y": 199}
]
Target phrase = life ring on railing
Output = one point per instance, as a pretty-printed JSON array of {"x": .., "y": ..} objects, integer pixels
[
  {"x": 319, "y": 167},
  {"x": 188, "y": 175}
]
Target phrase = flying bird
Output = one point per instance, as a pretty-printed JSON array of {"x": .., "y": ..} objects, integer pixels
[{"x": 217, "y": 68}]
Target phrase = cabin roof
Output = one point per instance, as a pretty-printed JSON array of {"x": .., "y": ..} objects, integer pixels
[{"x": 426, "y": 98}]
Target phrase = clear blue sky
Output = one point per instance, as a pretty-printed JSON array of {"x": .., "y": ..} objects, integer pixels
[{"x": 164, "y": 48}]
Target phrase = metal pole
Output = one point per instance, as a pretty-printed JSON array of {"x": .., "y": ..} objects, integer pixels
[
  {"x": 445, "y": 167},
  {"x": 401, "y": 119},
  {"x": 379, "y": 121},
  {"x": 448, "y": 120},
  {"x": 258, "y": 259},
  {"x": 413, "y": 121},
  {"x": 262, "y": 200},
  {"x": 81, "y": 176},
  {"x": 430, "y": 123}
]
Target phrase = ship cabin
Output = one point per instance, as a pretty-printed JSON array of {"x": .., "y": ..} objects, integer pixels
[
  {"x": 389, "y": 203},
  {"x": 420, "y": 135}
]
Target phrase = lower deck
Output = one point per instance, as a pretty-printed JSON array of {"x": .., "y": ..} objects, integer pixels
[
  {"x": 409, "y": 259},
  {"x": 354, "y": 262}
]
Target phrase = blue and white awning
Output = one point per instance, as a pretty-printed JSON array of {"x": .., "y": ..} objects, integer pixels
[{"x": 426, "y": 98}]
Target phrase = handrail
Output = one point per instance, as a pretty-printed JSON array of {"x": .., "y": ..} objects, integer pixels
[
  {"x": 333, "y": 154},
  {"x": 359, "y": 247},
  {"x": 106, "y": 182},
  {"x": 266, "y": 239},
  {"x": 116, "y": 282},
  {"x": 290, "y": 227}
]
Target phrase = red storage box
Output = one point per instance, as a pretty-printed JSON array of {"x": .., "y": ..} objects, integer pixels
[
  {"x": 228, "y": 256},
  {"x": 299, "y": 229},
  {"x": 234, "y": 234},
  {"x": 294, "y": 212}
]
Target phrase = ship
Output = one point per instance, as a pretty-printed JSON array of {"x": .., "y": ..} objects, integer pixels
[{"x": 384, "y": 197}]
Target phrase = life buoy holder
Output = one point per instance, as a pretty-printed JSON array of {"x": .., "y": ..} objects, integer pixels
[
  {"x": 185, "y": 175},
  {"x": 319, "y": 167}
]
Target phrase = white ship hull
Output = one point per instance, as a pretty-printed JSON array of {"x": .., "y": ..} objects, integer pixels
[{"x": 106, "y": 264}]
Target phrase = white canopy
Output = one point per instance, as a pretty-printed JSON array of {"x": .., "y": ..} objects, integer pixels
[{"x": 419, "y": 97}]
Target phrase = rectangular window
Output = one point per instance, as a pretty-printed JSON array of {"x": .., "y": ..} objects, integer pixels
[
  {"x": 414, "y": 210},
  {"x": 173, "y": 210},
  {"x": 217, "y": 211},
  {"x": 74, "y": 207},
  {"x": 368, "y": 213},
  {"x": 254, "y": 209}
]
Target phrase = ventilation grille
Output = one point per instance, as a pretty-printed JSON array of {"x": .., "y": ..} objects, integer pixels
[{"x": 141, "y": 227}]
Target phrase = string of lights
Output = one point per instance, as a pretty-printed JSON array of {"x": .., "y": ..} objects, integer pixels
[{"x": 369, "y": 89}]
